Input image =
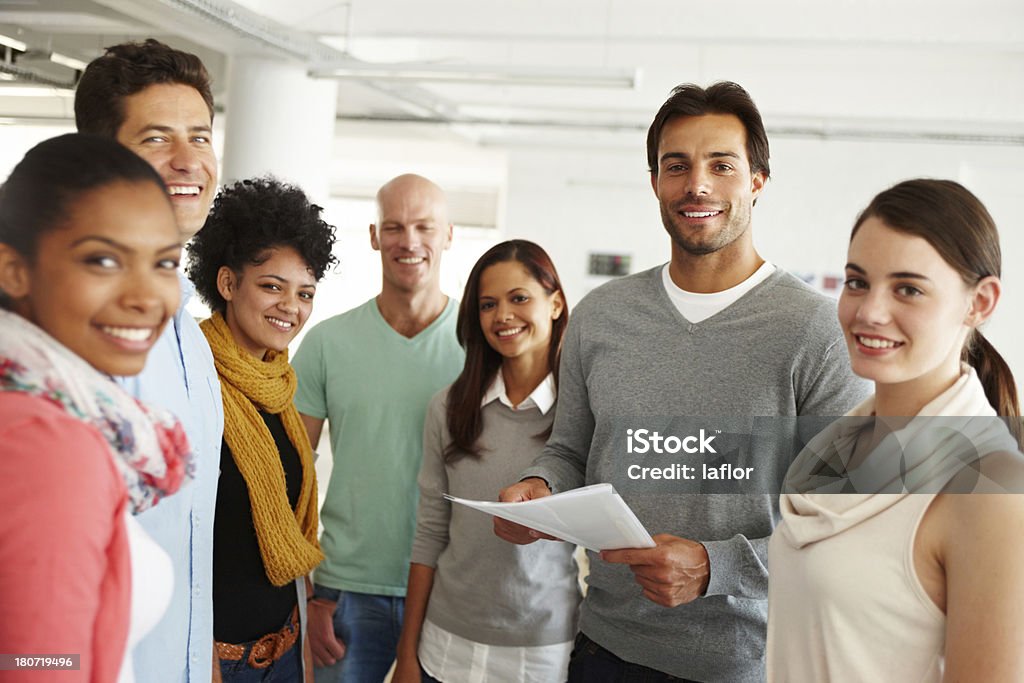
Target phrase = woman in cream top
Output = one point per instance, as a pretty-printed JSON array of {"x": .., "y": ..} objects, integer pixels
[{"x": 879, "y": 571}]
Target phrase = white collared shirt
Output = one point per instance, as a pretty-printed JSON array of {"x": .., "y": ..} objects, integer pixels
[
  {"x": 541, "y": 398},
  {"x": 448, "y": 657}
]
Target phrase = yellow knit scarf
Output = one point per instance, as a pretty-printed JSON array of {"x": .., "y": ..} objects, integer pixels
[{"x": 287, "y": 538}]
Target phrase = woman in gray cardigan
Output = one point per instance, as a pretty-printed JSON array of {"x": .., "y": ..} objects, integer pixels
[{"x": 478, "y": 608}]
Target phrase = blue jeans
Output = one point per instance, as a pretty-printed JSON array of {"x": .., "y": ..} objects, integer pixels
[
  {"x": 369, "y": 625},
  {"x": 287, "y": 669},
  {"x": 591, "y": 663}
]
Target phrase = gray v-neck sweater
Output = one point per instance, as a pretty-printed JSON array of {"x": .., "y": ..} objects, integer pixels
[
  {"x": 487, "y": 590},
  {"x": 631, "y": 359}
]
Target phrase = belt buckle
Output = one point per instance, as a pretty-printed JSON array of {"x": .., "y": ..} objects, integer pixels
[
  {"x": 265, "y": 651},
  {"x": 273, "y": 646}
]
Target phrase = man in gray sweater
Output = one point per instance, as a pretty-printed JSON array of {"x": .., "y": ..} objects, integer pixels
[{"x": 714, "y": 339}]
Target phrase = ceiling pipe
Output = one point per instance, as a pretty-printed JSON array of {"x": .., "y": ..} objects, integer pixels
[
  {"x": 28, "y": 76},
  {"x": 251, "y": 25},
  {"x": 847, "y": 132},
  {"x": 480, "y": 74}
]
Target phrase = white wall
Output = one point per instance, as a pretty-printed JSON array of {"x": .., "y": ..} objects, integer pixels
[{"x": 15, "y": 140}]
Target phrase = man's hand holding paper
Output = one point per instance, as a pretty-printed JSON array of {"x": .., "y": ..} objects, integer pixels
[{"x": 674, "y": 572}]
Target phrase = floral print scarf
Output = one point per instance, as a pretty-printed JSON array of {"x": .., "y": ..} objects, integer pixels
[{"x": 148, "y": 444}]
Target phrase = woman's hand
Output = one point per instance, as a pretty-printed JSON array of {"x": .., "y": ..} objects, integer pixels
[
  {"x": 528, "y": 489},
  {"x": 407, "y": 669}
]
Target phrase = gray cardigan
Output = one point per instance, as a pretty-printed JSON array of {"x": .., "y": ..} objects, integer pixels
[
  {"x": 630, "y": 357},
  {"x": 487, "y": 590}
]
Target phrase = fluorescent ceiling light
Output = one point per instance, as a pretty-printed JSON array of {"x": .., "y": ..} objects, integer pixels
[
  {"x": 482, "y": 75},
  {"x": 12, "y": 43},
  {"x": 70, "y": 62},
  {"x": 32, "y": 91},
  {"x": 55, "y": 57}
]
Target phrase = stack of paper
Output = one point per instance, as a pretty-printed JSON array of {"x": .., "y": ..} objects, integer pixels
[{"x": 594, "y": 517}]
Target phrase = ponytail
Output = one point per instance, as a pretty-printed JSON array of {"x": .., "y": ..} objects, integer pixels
[{"x": 996, "y": 378}]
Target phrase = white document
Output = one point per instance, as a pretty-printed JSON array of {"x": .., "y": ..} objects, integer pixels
[{"x": 594, "y": 517}]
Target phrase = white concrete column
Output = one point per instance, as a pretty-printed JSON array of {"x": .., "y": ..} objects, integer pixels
[{"x": 279, "y": 121}]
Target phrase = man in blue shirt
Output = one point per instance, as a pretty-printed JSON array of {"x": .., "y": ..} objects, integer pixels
[{"x": 156, "y": 101}]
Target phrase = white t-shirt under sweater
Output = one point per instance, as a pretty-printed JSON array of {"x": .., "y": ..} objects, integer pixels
[
  {"x": 450, "y": 657},
  {"x": 152, "y": 584},
  {"x": 844, "y": 601},
  {"x": 699, "y": 307}
]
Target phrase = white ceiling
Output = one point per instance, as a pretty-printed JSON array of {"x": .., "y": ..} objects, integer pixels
[{"x": 856, "y": 68}]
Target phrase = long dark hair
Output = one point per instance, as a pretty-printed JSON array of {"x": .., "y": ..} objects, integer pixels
[
  {"x": 465, "y": 418},
  {"x": 959, "y": 227}
]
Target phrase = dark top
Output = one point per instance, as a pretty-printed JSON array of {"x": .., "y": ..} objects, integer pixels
[{"x": 246, "y": 605}]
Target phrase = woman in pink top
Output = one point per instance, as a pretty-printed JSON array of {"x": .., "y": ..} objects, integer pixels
[{"x": 89, "y": 251}]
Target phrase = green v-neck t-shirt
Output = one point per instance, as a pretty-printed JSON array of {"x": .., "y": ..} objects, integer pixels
[{"x": 373, "y": 386}]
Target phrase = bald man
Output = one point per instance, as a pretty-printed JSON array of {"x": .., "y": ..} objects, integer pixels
[{"x": 370, "y": 373}]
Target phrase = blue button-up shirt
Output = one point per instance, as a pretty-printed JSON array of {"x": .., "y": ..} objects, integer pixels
[{"x": 180, "y": 376}]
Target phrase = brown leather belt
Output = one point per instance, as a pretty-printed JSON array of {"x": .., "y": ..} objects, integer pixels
[{"x": 267, "y": 649}]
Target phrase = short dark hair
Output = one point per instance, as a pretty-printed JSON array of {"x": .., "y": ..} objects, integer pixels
[
  {"x": 127, "y": 69},
  {"x": 249, "y": 218},
  {"x": 38, "y": 195},
  {"x": 724, "y": 97}
]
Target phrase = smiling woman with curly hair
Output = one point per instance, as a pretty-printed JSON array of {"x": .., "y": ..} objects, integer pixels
[{"x": 256, "y": 263}]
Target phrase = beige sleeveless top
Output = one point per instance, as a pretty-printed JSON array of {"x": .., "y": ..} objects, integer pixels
[{"x": 849, "y": 607}]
